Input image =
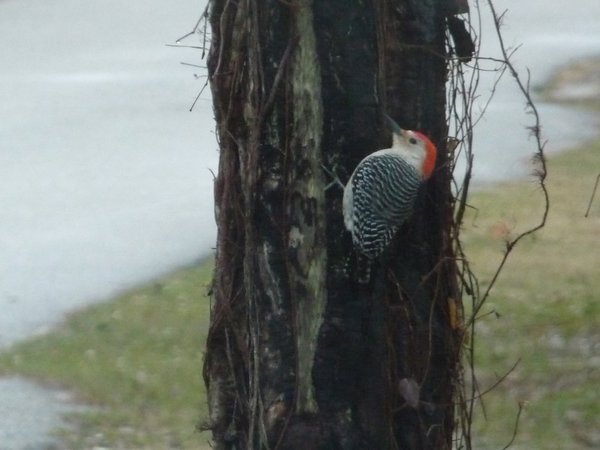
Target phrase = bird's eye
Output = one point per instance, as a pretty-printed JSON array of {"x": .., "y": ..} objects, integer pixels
[{"x": 412, "y": 141}]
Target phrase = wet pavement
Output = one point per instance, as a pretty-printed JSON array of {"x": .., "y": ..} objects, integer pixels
[{"x": 30, "y": 414}]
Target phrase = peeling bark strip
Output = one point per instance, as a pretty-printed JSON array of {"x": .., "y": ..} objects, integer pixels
[
  {"x": 298, "y": 355},
  {"x": 250, "y": 358},
  {"x": 306, "y": 205}
]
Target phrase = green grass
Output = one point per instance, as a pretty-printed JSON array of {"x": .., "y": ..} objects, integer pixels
[
  {"x": 138, "y": 359},
  {"x": 548, "y": 309}
]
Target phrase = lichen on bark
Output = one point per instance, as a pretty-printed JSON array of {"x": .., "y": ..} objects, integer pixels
[{"x": 307, "y": 246}]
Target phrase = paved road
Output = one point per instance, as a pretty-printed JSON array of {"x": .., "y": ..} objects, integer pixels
[
  {"x": 551, "y": 35},
  {"x": 104, "y": 179},
  {"x": 30, "y": 415},
  {"x": 104, "y": 172}
]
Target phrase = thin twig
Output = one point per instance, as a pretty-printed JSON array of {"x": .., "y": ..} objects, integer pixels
[
  {"x": 463, "y": 95},
  {"x": 516, "y": 427},
  {"x": 199, "y": 94},
  {"x": 195, "y": 29},
  {"x": 192, "y": 65},
  {"x": 587, "y": 212},
  {"x": 542, "y": 172},
  {"x": 197, "y": 47}
]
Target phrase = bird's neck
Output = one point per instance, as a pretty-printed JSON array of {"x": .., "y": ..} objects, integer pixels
[{"x": 414, "y": 158}]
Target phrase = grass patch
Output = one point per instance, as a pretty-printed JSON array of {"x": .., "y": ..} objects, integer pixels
[
  {"x": 138, "y": 358},
  {"x": 546, "y": 309}
]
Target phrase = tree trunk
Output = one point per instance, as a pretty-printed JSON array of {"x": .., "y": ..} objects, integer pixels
[{"x": 299, "y": 355}]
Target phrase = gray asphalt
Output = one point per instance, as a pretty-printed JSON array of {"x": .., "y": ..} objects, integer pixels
[
  {"x": 104, "y": 179},
  {"x": 30, "y": 413}
]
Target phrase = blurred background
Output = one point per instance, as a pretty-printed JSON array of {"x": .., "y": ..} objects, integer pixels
[
  {"x": 104, "y": 172},
  {"x": 105, "y": 177}
]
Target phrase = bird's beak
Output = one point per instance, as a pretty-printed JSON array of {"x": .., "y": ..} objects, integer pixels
[{"x": 394, "y": 126}]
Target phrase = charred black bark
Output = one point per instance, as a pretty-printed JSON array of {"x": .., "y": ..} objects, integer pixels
[
  {"x": 299, "y": 355},
  {"x": 422, "y": 281}
]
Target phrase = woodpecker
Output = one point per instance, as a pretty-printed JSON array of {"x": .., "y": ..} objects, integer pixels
[{"x": 380, "y": 195}]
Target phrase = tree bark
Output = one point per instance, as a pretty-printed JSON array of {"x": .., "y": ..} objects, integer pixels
[{"x": 299, "y": 355}]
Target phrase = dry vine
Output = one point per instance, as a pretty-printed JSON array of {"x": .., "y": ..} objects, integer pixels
[
  {"x": 463, "y": 98},
  {"x": 591, "y": 202}
]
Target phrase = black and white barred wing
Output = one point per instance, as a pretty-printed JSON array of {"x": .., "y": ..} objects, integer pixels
[{"x": 381, "y": 198}]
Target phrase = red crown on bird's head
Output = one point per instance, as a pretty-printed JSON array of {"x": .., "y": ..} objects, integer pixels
[{"x": 430, "y": 157}]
